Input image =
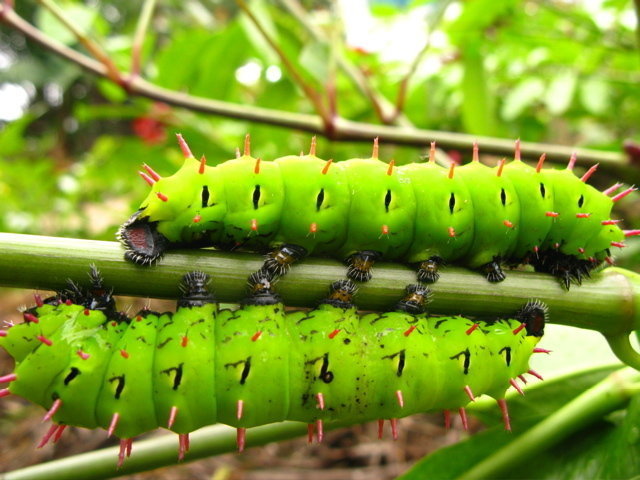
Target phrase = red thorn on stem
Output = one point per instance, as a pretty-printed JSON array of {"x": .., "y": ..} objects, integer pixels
[
  {"x": 541, "y": 350},
  {"x": 536, "y": 249},
  {"x": 385, "y": 230},
  {"x": 45, "y": 340},
  {"x": 572, "y": 161},
  {"x": 247, "y": 145},
  {"x": 334, "y": 333},
  {"x": 610, "y": 222},
  {"x": 609, "y": 260},
  {"x": 254, "y": 224},
  {"x": 535, "y": 374},
  {"x": 475, "y": 156},
  {"x": 162, "y": 196},
  {"x": 312, "y": 148},
  {"x": 612, "y": 188},
  {"x": 374, "y": 153},
  {"x": 186, "y": 151},
  {"x": 87, "y": 312},
  {"x": 12, "y": 377},
  {"x": 631, "y": 233},
  {"x": 515, "y": 385},
  {"x": 239, "y": 409},
  {"x": 452, "y": 168},
  {"x": 583, "y": 215},
  {"x": 125, "y": 450},
  {"x": 256, "y": 168},
  {"x": 4, "y": 393},
  {"x": 152, "y": 173},
  {"x": 325, "y": 169},
  {"x": 390, "y": 168},
  {"x": 68, "y": 302},
  {"x": 197, "y": 219},
  {"x": 505, "y": 414},
  {"x": 508, "y": 224},
  {"x": 150, "y": 181},
  {"x": 522, "y": 379},
  {"x": 183, "y": 445},
  {"x": 472, "y": 328},
  {"x": 541, "y": 160},
  {"x": 552, "y": 214},
  {"x": 447, "y": 419},
  {"x": 380, "y": 428},
  {"x": 47, "y": 436},
  {"x": 241, "y": 438},
  {"x": 556, "y": 245},
  {"x": 400, "y": 398},
  {"x": 124, "y": 354},
  {"x": 38, "y": 299},
  {"x": 589, "y": 172},
  {"x": 30, "y": 317},
  {"x": 113, "y": 425},
  {"x": 618, "y": 244},
  {"x": 320, "y": 431},
  {"x": 172, "y": 416},
  {"x": 52, "y": 411},
  {"x": 313, "y": 227},
  {"x": 463, "y": 417},
  {"x": 256, "y": 336},
  {"x": 203, "y": 164},
  {"x": 500, "y": 167},
  {"x": 516, "y": 154},
  {"x": 432, "y": 153},
  {"x": 518, "y": 329},
  {"x": 310, "y": 431},
  {"x": 320, "y": 399},
  {"x": 59, "y": 433},
  {"x": 623, "y": 194},
  {"x": 452, "y": 232},
  {"x": 467, "y": 390},
  {"x": 3, "y": 333},
  {"x": 580, "y": 250},
  {"x": 185, "y": 341},
  {"x": 394, "y": 428},
  {"x": 408, "y": 331}
]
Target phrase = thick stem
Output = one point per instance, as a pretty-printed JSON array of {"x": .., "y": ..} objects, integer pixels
[
  {"x": 608, "y": 303},
  {"x": 342, "y": 129},
  {"x": 611, "y": 394}
]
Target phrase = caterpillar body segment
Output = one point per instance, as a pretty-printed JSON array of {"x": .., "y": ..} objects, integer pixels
[
  {"x": 420, "y": 213},
  {"x": 258, "y": 364}
]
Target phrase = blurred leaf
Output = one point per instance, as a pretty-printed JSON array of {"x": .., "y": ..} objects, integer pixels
[
  {"x": 560, "y": 93},
  {"x": 595, "y": 95},
  {"x": 81, "y": 16},
  {"x": 477, "y": 109},
  {"x": 527, "y": 93},
  {"x": 315, "y": 59}
]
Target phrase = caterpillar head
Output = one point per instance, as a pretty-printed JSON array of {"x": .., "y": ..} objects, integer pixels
[
  {"x": 261, "y": 289},
  {"x": 416, "y": 298},
  {"x": 534, "y": 316}
]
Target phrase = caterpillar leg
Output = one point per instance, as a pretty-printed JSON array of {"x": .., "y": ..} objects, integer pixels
[
  {"x": 144, "y": 244},
  {"x": 278, "y": 261},
  {"x": 428, "y": 270},
  {"x": 360, "y": 265},
  {"x": 567, "y": 268},
  {"x": 493, "y": 271}
]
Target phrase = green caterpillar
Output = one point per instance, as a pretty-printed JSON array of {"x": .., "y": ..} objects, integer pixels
[
  {"x": 363, "y": 210},
  {"x": 93, "y": 367}
]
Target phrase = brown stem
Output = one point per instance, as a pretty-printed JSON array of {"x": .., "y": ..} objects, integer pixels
[
  {"x": 138, "y": 38},
  {"x": 344, "y": 129},
  {"x": 314, "y": 97}
]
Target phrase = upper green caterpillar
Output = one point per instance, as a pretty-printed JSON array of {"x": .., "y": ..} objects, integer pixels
[{"x": 365, "y": 209}]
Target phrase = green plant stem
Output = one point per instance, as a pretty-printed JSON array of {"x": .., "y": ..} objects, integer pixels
[
  {"x": 608, "y": 303},
  {"x": 157, "y": 452},
  {"x": 343, "y": 129},
  {"x": 138, "y": 38},
  {"x": 611, "y": 394}
]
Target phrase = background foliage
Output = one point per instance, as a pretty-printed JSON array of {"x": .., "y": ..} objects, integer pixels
[{"x": 563, "y": 72}]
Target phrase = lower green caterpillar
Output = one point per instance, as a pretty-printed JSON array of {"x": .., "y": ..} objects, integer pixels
[
  {"x": 93, "y": 367},
  {"x": 362, "y": 210}
]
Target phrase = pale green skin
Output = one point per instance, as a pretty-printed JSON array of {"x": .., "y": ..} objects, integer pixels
[
  {"x": 353, "y": 215},
  {"x": 286, "y": 365}
]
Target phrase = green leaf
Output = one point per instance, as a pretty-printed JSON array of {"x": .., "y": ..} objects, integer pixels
[
  {"x": 528, "y": 92},
  {"x": 477, "y": 105},
  {"x": 560, "y": 93},
  {"x": 595, "y": 95},
  {"x": 81, "y": 16},
  {"x": 315, "y": 59}
]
